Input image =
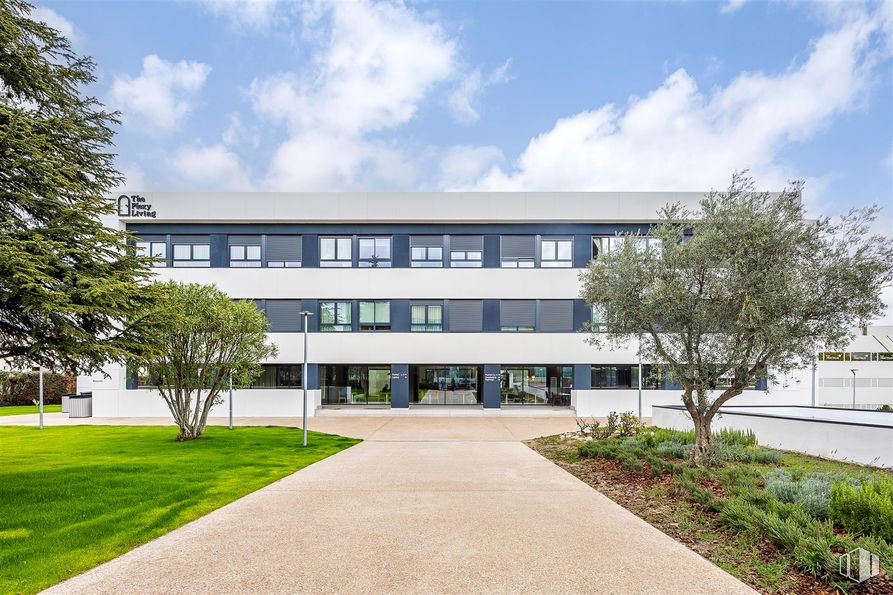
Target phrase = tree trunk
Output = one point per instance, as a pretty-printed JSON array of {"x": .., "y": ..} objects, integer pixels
[{"x": 703, "y": 449}]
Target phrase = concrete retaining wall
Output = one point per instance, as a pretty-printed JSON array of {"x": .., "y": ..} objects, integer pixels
[{"x": 833, "y": 439}]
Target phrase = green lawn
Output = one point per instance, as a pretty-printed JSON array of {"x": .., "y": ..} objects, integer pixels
[
  {"x": 73, "y": 497},
  {"x": 25, "y": 409}
]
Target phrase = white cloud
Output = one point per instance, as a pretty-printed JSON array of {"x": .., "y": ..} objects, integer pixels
[
  {"x": 255, "y": 15},
  {"x": 461, "y": 165},
  {"x": 133, "y": 178},
  {"x": 463, "y": 99},
  {"x": 375, "y": 66},
  {"x": 679, "y": 138},
  {"x": 57, "y": 22},
  {"x": 212, "y": 167},
  {"x": 163, "y": 94},
  {"x": 732, "y": 6}
]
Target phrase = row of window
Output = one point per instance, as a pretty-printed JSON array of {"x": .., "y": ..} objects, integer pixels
[
  {"x": 856, "y": 356},
  {"x": 426, "y": 251},
  {"x": 654, "y": 376},
  {"x": 424, "y": 315}
]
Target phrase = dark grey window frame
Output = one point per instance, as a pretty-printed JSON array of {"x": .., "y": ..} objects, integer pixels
[
  {"x": 336, "y": 326},
  {"x": 517, "y": 262},
  {"x": 192, "y": 261},
  {"x": 274, "y": 263},
  {"x": 375, "y": 325},
  {"x": 556, "y": 263},
  {"x": 336, "y": 262},
  {"x": 426, "y": 248},
  {"x": 427, "y": 326},
  {"x": 375, "y": 262},
  {"x": 460, "y": 256}
]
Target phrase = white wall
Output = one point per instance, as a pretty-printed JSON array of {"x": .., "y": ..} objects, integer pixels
[
  {"x": 395, "y": 283},
  {"x": 111, "y": 399},
  {"x": 843, "y": 442},
  {"x": 598, "y": 403}
]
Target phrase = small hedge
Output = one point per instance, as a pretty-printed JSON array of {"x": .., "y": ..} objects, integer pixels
[
  {"x": 866, "y": 509},
  {"x": 22, "y": 388}
]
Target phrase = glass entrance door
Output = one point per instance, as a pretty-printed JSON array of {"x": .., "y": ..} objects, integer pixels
[
  {"x": 445, "y": 385},
  {"x": 536, "y": 385}
]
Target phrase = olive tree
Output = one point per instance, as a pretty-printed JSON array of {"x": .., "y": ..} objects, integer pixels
[
  {"x": 206, "y": 337},
  {"x": 743, "y": 287}
]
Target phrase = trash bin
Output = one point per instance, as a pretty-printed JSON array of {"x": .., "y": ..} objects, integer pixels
[
  {"x": 65, "y": 398},
  {"x": 80, "y": 405}
]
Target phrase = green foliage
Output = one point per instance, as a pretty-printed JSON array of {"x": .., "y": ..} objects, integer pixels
[
  {"x": 72, "y": 297},
  {"x": 23, "y": 388},
  {"x": 629, "y": 424},
  {"x": 864, "y": 509},
  {"x": 812, "y": 491},
  {"x": 616, "y": 425},
  {"x": 748, "y": 282},
  {"x": 745, "y": 454},
  {"x": 674, "y": 450},
  {"x": 207, "y": 336},
  {"x": 739, "y": 437}
]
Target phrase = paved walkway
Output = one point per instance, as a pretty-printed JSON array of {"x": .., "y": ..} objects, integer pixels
[{"x": 423, "y": 505}]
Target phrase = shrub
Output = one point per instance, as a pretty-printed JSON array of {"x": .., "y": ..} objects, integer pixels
[
  {"x": 813, "y": 554},
  {"x": 864, "y": 509},
  {"x": 738, "y": 514},
  {"x": 745, "y": 454},
  {"x": 673, "y": 450},
  {"x": 629, "y": 424},
  {"x": 632, "y": 443},
  {"x": 785, "y": 533},
  {"x": 22, "y": 388},
  {"x": 741, "y": 437}
]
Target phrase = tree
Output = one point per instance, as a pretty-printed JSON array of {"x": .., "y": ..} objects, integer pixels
[
  {"x": 743, "y": 288},
  {"x": 71, "y": 295},
  {"x": 206, "y": 336}
]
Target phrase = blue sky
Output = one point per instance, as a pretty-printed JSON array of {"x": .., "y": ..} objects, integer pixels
[{"x": 311, "y": 96}]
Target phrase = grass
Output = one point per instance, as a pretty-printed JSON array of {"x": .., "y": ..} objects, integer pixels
[
  {"x": 26, "y": 409},
  {"x": 73, "y": 497}
]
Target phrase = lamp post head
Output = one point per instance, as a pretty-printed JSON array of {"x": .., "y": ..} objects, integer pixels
[
  {"x": 854, "y": 370},
  {"x": 306, "y": 313}
]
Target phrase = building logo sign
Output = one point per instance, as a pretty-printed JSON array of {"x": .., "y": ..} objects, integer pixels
[{"x": 134, "y": 205}]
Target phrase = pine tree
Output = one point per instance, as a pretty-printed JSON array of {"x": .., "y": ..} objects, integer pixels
[{"x": 71, "y": 295}]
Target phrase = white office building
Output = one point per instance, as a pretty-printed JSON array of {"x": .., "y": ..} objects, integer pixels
[{"x": 420, "y": 301}]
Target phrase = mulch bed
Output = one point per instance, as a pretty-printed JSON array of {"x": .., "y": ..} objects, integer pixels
[{"x": 630, "y": 490}]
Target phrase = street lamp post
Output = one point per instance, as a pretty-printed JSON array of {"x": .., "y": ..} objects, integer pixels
[
  {"x": 306, "y": 314},
  {"x": 230, "y": 399},
  {"x": 41, "y": 397},
  {"x": 640, "y": 378},
  {"x": 854, "y": 386}
]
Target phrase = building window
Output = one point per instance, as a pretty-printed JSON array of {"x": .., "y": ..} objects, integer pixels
[
  {"x": 192, "y": 252},
  {"x": 426, "y": 317},
  {"x": 536, "y": 385},
  {"x": 335, "y": 252},
  {"x": 604, "y": 244},
  {"x": 355, "y": 385},
  {"x": 517, "y": 315},
  {"x": 375, "y": 252},
  {"x": 466, "y": 251},
  {"x": 375, "y": 316},
  {"x": 615, "y": 376},
  {"x": 466, "y": 316},
  {"x": 278, "y": 376},
  {"x": 284, "y": 251},
  {"x": 426, "y": 251},
  {"x": 598, "y": 324},
  {"x": 518, "y": 252},
  {"x": 556, "y": 252},
  {"x": 335, "y": 316},
  {"x": 154, "y": 249},
  {"x": 244, "y": 251}
]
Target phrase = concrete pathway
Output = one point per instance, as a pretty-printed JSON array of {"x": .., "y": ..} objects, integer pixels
[{"x": 424, "y": 505}]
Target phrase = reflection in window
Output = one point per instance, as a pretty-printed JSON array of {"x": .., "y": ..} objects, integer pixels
[
  {"x": 426, "y": 251},
  {"x": 604, "y": 244},
  {"x": 375, "y": 316},
  {"x": 444, "y": 385},
  {"x": 335, "y": 252},
  {"x": 598, "y": 324},
  {"x": 335, "y": 316},
  {"x": 375, "y": 252},
  {"x": 355, "y": 385},
  {"x": 278, "y": 376},
  {"x": 244, "y": 256},
  {"x": 615, "y": 376},
  {"x": 426, "y": 317},
  {"x": 156, "y": 250},
  {"x": 192, "y": 255},
  {"x": 556, "y": 252}
]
